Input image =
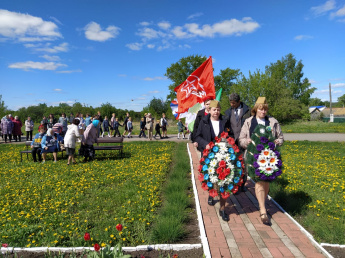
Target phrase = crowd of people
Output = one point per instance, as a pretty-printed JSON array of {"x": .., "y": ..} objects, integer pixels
[{"x": 240, "y": 122}]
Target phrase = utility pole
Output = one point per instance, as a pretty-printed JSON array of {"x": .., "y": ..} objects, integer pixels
[{"x": 331, "y": 118}]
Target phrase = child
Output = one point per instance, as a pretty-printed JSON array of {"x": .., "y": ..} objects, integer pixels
[
  {"x": 158, "y": 130},
  {"x": 36, "y": 144},
  {"x": 116, "y": 127},
  {"x": 106, "y": 126},
  {"x": 142, "y": 128},
  {"x": 50, "y": 123},
  {"x": 180, "y": 129},
  {"x": 129, "y": 127}
]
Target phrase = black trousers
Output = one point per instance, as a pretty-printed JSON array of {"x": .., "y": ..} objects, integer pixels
[
  {"x": 9, "y": 137},
  {"x": 142, "y": 133},
  {"x": 16, "y": 137},
  {"x": 158, "y": 132},
  {"x": 117, "y": 132},
  {"x": 29, "y": 133},
  {"x": 38, "y": 152}
]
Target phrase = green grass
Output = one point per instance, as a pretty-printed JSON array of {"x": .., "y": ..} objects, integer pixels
[
  {"x": 55, "y": 204},
  {"x": 313, "y": 127},
  {"x": 169, "y": 226},
  {"x": 312, "y": 187}
]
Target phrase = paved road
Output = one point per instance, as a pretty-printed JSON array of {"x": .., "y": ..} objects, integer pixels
[{"x": 323, "y": 137}]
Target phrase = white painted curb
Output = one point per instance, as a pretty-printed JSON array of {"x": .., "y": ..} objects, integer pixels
[{"x": 203, "y": 237}]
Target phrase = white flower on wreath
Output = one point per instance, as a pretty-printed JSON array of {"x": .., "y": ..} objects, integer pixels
[
  {"x": 223, "y": 149},
  {"x": 221, "y": 183},
  {"x": 214, "y": 179},
  {"x": 213, "y": 163},
  {"x": 211, "y": 171},
  {"x": 219, "y": 156}
]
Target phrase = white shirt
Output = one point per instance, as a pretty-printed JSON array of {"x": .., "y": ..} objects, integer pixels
[
  {"x": 215, "y": 125},
  {"x": 260, "y": 121}
]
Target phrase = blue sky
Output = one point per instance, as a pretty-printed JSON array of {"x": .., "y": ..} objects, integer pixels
[{"x": 98, "y": 51}]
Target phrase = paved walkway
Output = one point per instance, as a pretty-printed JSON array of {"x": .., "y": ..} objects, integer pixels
[{"x": 245, "y": 235}]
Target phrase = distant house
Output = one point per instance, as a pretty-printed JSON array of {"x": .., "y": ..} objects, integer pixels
[
  {"x": 315, "y": 112},
  {"x": 338, "y": 114}
]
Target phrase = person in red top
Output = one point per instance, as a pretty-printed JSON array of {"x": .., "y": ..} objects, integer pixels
[{"x": 17, "y": 129}]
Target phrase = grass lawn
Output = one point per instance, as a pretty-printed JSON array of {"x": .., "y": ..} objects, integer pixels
[
  {"x": 313, "y": 127},
  {"x": 53, "y": 204},
  {"x": 312, "y": 187}
]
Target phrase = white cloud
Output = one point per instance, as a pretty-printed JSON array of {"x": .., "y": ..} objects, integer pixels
[
  {"x": 324, "y": 8},
  {"x": 148, "y": 33},
  {"x": 134, "y": 46},
  {"x": 184, "y": 46},
  {"x": 337, "y": 91},
  {"x": 154, "y": 78},
  {"x": 339, "y": 13},
  {"x": 27, "y": 66},
  {"x": 25, "y": 27},
  {"x": 59, "y": 90},
  {"x": 63, "y": 47},
  {"x": 338, "y": 85},
  {"x": 163, "y": 36},
  {"x": 155, "y": 91},
  {"x": 303, "y": 37},
  {"x": 94, "y": 32},
  {"x": 40, "y": 100},
  {"x": 193, "y": 16},
  {"x": 56, "y": 20},
  {"x": 70, "y": 71},
  {"x": 145, "y": 23},
  {"x": 164, "y": 25},
  {"x": 51, "y": 58},
  {"x": 312, "y": 81}
]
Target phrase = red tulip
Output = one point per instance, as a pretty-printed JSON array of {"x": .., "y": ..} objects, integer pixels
[
  {"x": 87, "y": 236},
  {"x": 119, "y": 227},
  {"x": 4, "y": 245},
  {"x": 97, "y": 247}
]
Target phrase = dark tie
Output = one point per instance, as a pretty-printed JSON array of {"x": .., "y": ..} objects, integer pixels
[{"x": 236, "y": 114}]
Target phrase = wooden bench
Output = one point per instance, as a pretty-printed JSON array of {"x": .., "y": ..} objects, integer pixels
[
  {"x": 28, "y": 150},
  {"x": 117, "y": 141}
]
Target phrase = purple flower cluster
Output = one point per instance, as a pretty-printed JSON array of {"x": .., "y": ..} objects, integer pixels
[
  {"x": 260, "y": 147},
  {"x": 271, "y": 145},
  {"x": 263, "y": 139}
]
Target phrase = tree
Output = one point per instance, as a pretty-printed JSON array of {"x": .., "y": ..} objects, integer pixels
[
  {"x": 178, "y": 72},
  {"x": 3, "y": 108},
  {"x": 157, "y": 107},
  {"x": 316, "y": 102},
  {"x": 341, "y": 99},
  {"x": 287, "y": 93},
  {"x": 288, "y": 72}
]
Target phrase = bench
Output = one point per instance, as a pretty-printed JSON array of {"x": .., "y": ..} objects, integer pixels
[
  {"x": 117, "y": 141},
  {"x": 28, "y": 150}
]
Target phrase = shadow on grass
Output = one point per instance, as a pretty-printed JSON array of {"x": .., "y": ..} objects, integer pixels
[{"x": 294, "y": 203}]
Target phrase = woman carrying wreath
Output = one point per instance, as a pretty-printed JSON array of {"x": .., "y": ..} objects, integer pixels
[
  {"x": 260, "y": 117},
  {"x": 210, "y": 127}
]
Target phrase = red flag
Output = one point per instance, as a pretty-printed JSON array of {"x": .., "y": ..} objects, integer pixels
[{"x": 197, "y": 87}]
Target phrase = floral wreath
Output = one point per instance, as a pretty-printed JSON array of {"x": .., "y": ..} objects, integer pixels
[
  {"x": 263, "y": 156},
  {"x": 220, "y": 169}
]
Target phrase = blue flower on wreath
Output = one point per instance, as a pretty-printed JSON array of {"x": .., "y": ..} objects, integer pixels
[
  {"x": 209, "y": 184},
  {"x": 231, "y": 150},
  {"x": 206, "y": 177},
  {"x": 207, "y": 161},
  {"x": 221, "y": 189},
  {"x": 240, "y": 173},
  {"x": 236, "y": 180},
  {"x": 232, "y": 156},
  {"x": 215, "y": 149},
  {"x": 238, "y": 164},
  {"x": 268, "y": 129},
  {"x": 211, "y": 155},
  {"x": 204, "y": 167},
  {"x": 230, "y": 186}
]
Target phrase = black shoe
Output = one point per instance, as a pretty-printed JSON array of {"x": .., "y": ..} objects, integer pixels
[
  {"x": 210, "y": 200},
  {"x": 243, "y": 188},
  {"x": 224, "y": 216}
]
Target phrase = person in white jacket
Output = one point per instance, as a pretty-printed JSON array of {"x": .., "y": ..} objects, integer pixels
[{"x": 70, "y": 140}]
